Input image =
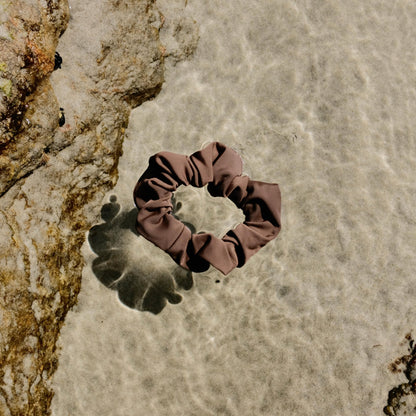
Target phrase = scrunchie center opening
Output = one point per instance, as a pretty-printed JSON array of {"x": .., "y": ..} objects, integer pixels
[{"x": 206, "y": 213}]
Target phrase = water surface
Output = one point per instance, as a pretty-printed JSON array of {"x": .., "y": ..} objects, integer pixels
[{"x": 320, "y": 98}]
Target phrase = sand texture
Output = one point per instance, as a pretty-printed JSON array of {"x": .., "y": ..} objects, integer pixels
[{"x": 318, "y": 96}]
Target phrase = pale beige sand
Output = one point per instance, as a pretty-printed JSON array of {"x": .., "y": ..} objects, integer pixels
[{"x": 319, "y": 97}]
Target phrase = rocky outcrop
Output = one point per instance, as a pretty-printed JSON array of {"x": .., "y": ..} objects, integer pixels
[
  {"x": 402, "y": 399},
  {"x": 28, "y": 111},
  {"x": 53, "y": 177}
]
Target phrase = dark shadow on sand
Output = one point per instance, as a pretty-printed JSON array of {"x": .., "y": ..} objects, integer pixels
[{"x": 137, "y": 286}]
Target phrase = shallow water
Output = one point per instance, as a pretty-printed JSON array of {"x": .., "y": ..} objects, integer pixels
[{"x": 318, "y": 97}]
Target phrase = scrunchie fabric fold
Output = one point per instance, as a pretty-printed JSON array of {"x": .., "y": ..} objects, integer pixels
[{"x": 219, "y": 167}]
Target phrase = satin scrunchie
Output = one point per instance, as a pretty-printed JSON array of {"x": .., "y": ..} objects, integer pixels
[{"x": 219, "y": 167}]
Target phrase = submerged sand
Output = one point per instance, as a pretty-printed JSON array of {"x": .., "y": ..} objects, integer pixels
[{"x": 318, "y": 97}]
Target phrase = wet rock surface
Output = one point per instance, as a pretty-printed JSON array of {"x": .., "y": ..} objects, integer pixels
[
  {"x": 28, "y": 111},
  {"x": 61, "y": 138},
  {"x": 402, "y": 398}
]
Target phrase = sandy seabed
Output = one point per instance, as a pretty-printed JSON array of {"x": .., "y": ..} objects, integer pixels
[{"x": 318, "y": 96}]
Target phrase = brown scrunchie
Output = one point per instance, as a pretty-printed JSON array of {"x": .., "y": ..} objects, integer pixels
[{"x": 221, "y": 168}]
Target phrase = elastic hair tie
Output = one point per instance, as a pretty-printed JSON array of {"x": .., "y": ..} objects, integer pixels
[{"x": 219, "y": 167}]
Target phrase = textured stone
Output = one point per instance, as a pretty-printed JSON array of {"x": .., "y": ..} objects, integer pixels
[
  {"x": 402, "y": 399},
  {"x": 179, "y": 32},
  {"x": 53, "y": 178},
  {"x": 28, "y": 115}
]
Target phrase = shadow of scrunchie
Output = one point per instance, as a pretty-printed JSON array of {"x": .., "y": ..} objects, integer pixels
[{"x": 137, "y": 287}]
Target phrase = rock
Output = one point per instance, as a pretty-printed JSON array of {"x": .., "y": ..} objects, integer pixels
[
  {"x": 402, "y": 399},
  {"x": 179, "y": 32},
  {"x": 28, "y": 38},
  {"x": 53, "y": 178}
]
